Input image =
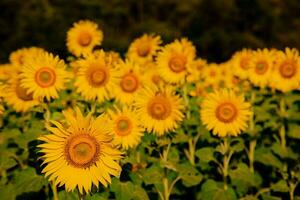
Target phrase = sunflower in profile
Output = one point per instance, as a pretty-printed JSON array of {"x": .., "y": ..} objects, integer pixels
[
  {"x": 44, "y": 75},
  {"x": 96, "y": 78},
  {"x": 225, "y": 113},
  {"x": 286, "y": 74},
  {"x": 195, "y": 70},
  {"x": 144, "y": 48},
  {"x": 174, "y": 60},
  {"x": 79, "y": 154},
  {"x": 130, "y": 83},
  {"x": 241, "y": 63},
  {"x": 17, "y": 96},
  {"x": 126, "y": 127},
  {"x": 83, "y": 37},
  {"x": 18, "y": 57},
  {"x": 261, "y": 66},
  {"x": 159, "y": 109}
]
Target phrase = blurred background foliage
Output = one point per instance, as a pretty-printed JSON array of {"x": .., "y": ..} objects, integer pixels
[{"x": 217, "y": 27}]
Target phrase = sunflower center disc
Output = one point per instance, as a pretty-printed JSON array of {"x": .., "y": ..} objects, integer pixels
[
  {"x": 159, "y": 108},
  {"x": 97, "y": 77},
  {"x": 226, "y": 112},
  {"x": 45, "y": 77},
  {"x": 261, "y": 67},
  {"x": 177, "y": 64},
  {"x": 287, "y": 70},
  {"x": 143, "y": 49},
  {"x": 123, "y": 127},
  {"x": 244, "y": 63},
  {"x": 84, "y": 39},
  {"x": 82, "y": 151},
  {"x": 129, "y": 83},
  {"x": 22, "y": 93}
]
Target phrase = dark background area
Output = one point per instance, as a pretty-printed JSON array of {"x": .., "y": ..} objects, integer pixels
[{"x": 217, "y": 27}]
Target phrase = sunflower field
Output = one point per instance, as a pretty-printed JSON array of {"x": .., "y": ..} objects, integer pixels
[{"x": 157, "y": 123}]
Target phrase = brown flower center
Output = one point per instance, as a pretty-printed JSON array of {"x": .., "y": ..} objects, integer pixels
[
  {"x": 177, "y": 63},
  {"x": 22, "y": 93},
  {"x": 123, "y": 126},
  {"x": 84, "y": 39},
  {"x": 261, "y": 67},
  {"x": 82, "y": 151},
  {"x": 244, "y": 63},
  {"x": 97, "y": 76},
  {"x": 45, "y": 77},
  {"x": 143, "y": 49},
  {"x": 226, "y": 112},
  {"x": 288, "y": 69},
  {"x": 129, "y": 83},
  {"x": 159, "y": 107}
]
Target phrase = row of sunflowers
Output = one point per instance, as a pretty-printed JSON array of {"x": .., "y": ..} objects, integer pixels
[{"x": 158, "y": 123}]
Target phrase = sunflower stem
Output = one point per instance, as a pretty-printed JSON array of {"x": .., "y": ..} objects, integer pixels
[
  {"x": 54, "y": 190},
  {"x": 81, "y": 196},
  {"x": 226, "y": 161},
  {"x": 186, "y": 101},
  {"x": 251, "y": 154},
  {"x": 282, "y": 128}
]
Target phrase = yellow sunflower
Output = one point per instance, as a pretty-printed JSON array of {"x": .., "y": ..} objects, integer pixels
[
  {"x": 130, "y": 83},
  {"x": 286, "y": 74},
  {"x": 80, "y": 154},
  {"x": 18, "y": 57},
  {"x": 225, "y": 113},
  {"x": 6, "y": 71},
  {"x": 1, "y": 95},
  {"x": 159, "y": 109},
  {"x": 96, "y": 78},
  {"x": 17, "y": 96},
  {"x": 126, "y": 127},
  {"x": 241, "y": 63},
  {"x": 83, "y": 37},
  {"x": 195, "y": 70},
  {"x": 152, "y": 76},
  {"x": 212, "y": 75},
  {"x": 44, "y": 75},
  {"x": 261, "y": 66},
  {"x": 143, "y": 49},
  {"x": 174, "y": 60}
]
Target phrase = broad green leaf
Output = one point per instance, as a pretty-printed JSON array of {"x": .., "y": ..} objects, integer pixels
[
  {"x": 7, "y": 192},
  {"x": 243, "y": 174},
  {"x": 293, "y": 131},
  {"x": 190, "y": 176},
  {"x": 280, "y": 186},
  {"x": 265, "y": 156},
  {"x": 128, "y": 191},
  {"x": 283, "y": 152},
  {"x": 205, "y": 154},
  {"x": 210, "y": 190},
  {"x": 28, "y": 181},
  {"x": 152, "y": 175},
  {"x": 67, "y": 195}
]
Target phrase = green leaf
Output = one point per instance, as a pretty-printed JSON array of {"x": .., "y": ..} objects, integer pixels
[
  {"x": 128, "y": 191},
  {"x": 190, "y": 176},
  {"x": 28, "y": 181},
  {"x": 152, "y": 175},
  {"x": 67, "y": 195},
  {"x": 7, "y": 192},
  {"x": 210, "y": 190},
  {"x": 205, "y": 154},
  {"x": 270, "y": 197},
  {"x": 293, "y": 131},
  {"x": 280, "y": 186},
  {"x": 266, "y": 157},
  {"x": 283, "y": 153},
  {"x": 243, "y": 174},
  {"x": 180, "y": 137}
]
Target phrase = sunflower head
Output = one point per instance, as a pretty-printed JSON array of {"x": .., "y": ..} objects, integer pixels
[
  {"x": 83, "y": 37},
  {"x": 80, "y": 153},
  {"x": 159, "y": 109},
  {"x": 225, "y": 113},
  {"x": 241, "y": 63},
  {"x": 126, "y": 127},
  {"x": 144, "y": 48},
  {"x": 18, "y": 57},
  {"x": 195, "y": 70},
  {"x": 44, "y": 75},
  {"x": 174, "y": 60}
]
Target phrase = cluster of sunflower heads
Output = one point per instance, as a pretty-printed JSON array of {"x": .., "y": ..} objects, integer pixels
[{"x": 152, "y": 108}]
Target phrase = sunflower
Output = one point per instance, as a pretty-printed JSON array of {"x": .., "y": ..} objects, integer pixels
[
  {"x": 152, "y": 76},
  {"x": 17, "y": 96},
  {"x": 96, "y": 78},
  {"x": 241, "y": 63},
  {"x": 80, "y": 153},
  {"x": 44, "y": 75},
  {"x": 18, "y": 57},
  {"x": 261, "y": 66},
  {"x": 83, "y": 37},
  {"x": 286, "y": 74},
  {"x": 6, "y": 71},
  {"x": 159, "y": 109},
  {"x": 130, "y": 83},
  {"x": 126, "y": 127},
  {"x": 174, "y": 60},
  {"x": 1, "y": 95},
  {"x": 212, "y": 75},
  {"x": 225, "y": 113},
  {"x": 195, "y": 70},
  {"x": 143, "y": 49}
]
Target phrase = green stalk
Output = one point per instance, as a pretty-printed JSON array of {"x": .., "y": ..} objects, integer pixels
[{"x": 54, "y": 190}]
